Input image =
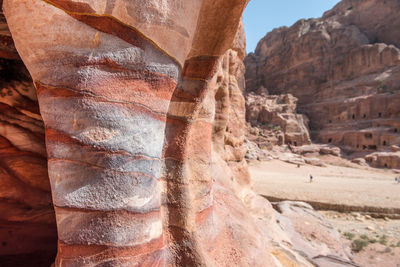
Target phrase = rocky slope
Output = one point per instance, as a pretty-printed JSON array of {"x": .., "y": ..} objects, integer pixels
[{"x": 344, "y": 69}]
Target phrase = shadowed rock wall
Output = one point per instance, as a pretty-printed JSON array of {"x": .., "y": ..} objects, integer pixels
[{"x": 27, "y": 221}]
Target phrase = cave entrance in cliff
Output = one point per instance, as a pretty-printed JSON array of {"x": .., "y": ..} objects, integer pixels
[
  {"x": 395, "y": 130},
  {"x": 368, "y": 135},
  {"x": 384, "y": 143},
  {"x": 380, "y": 114},
  {"x": 330, "y": 140}
]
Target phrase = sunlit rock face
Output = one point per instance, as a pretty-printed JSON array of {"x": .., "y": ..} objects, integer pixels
[
  {"x": 127, "y": 92},
  {"x": 343, "y": 68},
  {"x": 275, "y": 120},
  {"x": 27, "y": 221},
  {"x": 229, "y": 126}
]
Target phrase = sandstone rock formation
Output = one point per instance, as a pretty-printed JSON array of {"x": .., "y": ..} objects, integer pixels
[
  {"x": 27, "y": 221},
  {"x": 310, "y": 233},
  {"x": 343, "y": 68},
  {"x": 144, "y": 118},
  {"x": 229, "y": 125},
  {"x": 384, "y": 159},
  {"x": 275, "y": 120},
  {"x": 129, "y": 119}
]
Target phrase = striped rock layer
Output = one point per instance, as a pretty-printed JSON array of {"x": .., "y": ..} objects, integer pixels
[{"x": 127, "y": 93}]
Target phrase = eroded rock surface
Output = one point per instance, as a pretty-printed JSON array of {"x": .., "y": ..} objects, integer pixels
[
  {"x": 126, "y": 92},
  {"x": 343, "y": 68},
  {"x": 274, "y": 120},
  {"x": 310, "y": 233}
]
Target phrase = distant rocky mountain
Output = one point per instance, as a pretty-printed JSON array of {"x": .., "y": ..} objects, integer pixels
[{"x": 344, "y": 70}]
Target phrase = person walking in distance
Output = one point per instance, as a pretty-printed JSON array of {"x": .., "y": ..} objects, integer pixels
[{"x": 311, "y": 178}]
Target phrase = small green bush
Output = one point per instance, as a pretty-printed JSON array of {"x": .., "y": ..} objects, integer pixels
[
  {"x": 349, "y": 236},
  {"x": 383, "y": 240},
  {"x": 387, "y": 250},
  {"x": 382, "y": 88},
  {"x": 359, "y": 244},
  {"x": 277, "y": 128}
]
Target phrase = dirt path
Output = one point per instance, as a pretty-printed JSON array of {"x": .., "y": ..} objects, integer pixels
[{"x": 332, "y": 184}]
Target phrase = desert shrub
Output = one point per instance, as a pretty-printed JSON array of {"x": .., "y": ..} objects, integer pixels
[
  {"x": 382, "y": 88},
  {"x": 398, "y": 244},
  {"x": 387, "y": 250},
  {"x": 370, "y": 240},
  {"x": 277, "y": 128},
  {"x": 359, "y": 244},
  {"x": 349, "y": 236},
  {"x": 383, "y": 240}
]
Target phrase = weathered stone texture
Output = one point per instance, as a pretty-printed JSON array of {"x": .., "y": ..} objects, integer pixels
[
  {"x": 126, "y": 92},
  {"x": 275, "y": 121}
]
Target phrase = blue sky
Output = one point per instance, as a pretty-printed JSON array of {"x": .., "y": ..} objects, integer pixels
[{"x": 262, "y": 16}]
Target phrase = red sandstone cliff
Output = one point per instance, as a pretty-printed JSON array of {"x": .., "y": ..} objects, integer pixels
[{"x": 344, "y": 69}]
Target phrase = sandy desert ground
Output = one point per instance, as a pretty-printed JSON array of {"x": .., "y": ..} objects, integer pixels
[
  {"x": 350, "y": 186},
  {"x": 331, "y": 184}
]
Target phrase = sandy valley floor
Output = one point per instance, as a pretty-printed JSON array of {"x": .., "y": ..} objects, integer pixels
[
  {"x": 354, "y": 186},
  {"x": 332, "y": 184}
]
